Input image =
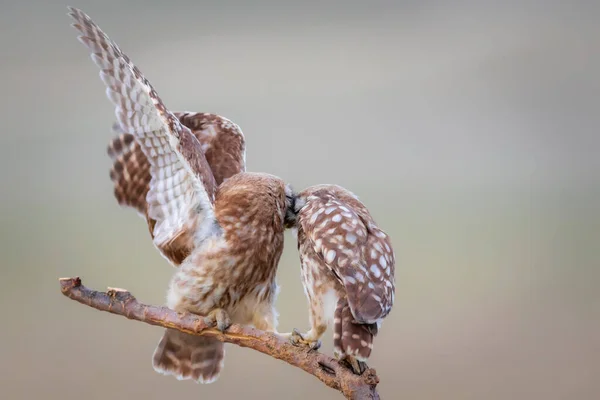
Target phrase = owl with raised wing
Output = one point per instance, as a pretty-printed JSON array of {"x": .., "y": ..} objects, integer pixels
[
  {"x": 221, "y": 226},
  {"x": 347, "y": 265}
]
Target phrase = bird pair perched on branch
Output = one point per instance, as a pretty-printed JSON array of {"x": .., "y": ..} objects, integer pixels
[{"x": 223, "y": 227}]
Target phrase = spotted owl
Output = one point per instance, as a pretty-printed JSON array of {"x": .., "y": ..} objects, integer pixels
[
  {"x": 222, "y": 228},
  {"x": 347, "y": 265}
]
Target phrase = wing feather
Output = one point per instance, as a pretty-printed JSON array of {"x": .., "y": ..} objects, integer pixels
[
  {"x": 221, "y": 140},
  {"x": 180, "y": 198}
]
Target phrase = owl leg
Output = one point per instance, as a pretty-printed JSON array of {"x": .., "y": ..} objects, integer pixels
[
  {"x": 219, "y": 318},
  {"x": 265, "y": 318},
  {"x": 308, "y": 339},
  {"x": 299, "y": 339},
  {"x": 318, "y": 323},
  {"x": 185, "y": 295},
  {"x": 358, "y": 367}
]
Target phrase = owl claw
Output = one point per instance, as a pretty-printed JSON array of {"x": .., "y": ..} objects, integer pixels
[
  {"x": 358, "y": 367},
  {"x": 298, "y": 339},
  {"x": 219, "y": 319}
]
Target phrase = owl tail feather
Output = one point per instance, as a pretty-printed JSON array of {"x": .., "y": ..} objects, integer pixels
[
  {"x": 189, "y": 357},
  {"x": 352, "y": 340}
]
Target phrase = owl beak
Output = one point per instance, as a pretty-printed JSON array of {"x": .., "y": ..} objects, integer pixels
[{"x": 289, "y": 221}]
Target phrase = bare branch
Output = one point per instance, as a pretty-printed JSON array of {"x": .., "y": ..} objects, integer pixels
[{"x": 326, "y": 369}]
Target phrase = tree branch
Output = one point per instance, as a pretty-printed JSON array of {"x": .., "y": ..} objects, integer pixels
[{"x": 326, "y": 369}]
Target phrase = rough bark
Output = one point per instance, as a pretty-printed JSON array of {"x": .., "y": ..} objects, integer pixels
[{"x": 326, "y": 369}]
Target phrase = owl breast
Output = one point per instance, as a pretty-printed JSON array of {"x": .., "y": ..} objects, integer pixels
[{"x": 219, "y": 276}]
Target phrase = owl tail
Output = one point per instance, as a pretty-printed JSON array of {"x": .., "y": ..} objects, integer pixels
[
  {"x": 352, "y": 341},
  {"x": 189, "y": 357}
]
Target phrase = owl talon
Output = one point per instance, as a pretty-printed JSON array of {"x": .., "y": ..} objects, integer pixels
[
  {"x": 358, "y": 367},
  {"x": 219, "y": 319},
  {"x": 298, "y": 339}
]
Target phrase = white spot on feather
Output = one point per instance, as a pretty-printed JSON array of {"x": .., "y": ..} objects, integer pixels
[
  {"x": 313, "y": 218},
  {"x": 330, "y": 256},
  {"x": 382, "y": 262},
  {"x": 375, "y": 271},
  {"x": 381, "y": 234},
  {"x": 350, "y": 238},
  {"x": 360, "y": 277}
]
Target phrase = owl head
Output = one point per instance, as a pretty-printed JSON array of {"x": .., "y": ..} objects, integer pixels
[{"x": 293, "y": 206}]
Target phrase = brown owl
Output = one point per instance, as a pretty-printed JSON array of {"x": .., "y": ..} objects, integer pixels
[
  {"x": 222, "y": 228},
  {"x": 347, "y": 271}
]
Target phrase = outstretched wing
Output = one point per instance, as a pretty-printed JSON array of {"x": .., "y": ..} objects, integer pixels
[
  {"x": 221, "y": 140},
  {"x": 182, "y": 187},
  {"x": 130, "y": 172},
  {"x": 354, "y": 249}
]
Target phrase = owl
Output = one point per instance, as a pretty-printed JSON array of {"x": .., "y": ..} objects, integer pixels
[
  {"x": 222, "y": 228},
  {"x": 347, "y": 265}
]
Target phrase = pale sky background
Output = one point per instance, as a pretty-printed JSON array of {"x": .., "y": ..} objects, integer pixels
[{"x": 470, "y": 130}]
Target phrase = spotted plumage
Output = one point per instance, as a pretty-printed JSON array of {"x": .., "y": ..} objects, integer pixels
[
  {"x": 347, "y": 270},
  {"x": 221, "y": 226},
  {"x": 221, "y": 140}
]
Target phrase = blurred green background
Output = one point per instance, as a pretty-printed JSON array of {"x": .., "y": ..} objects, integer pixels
[{"x": 469, "y": 129}]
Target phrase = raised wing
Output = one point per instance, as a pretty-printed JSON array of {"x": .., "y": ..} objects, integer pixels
[
  {"x": 221, "y": 140},
  {"x": 350, "y": 244},
  {"x": 182, "y": 187},
  {"x": 130, "y": 172}
]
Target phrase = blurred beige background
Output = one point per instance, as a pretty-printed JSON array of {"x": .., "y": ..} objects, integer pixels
[{"x": 469, "y": 129}]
